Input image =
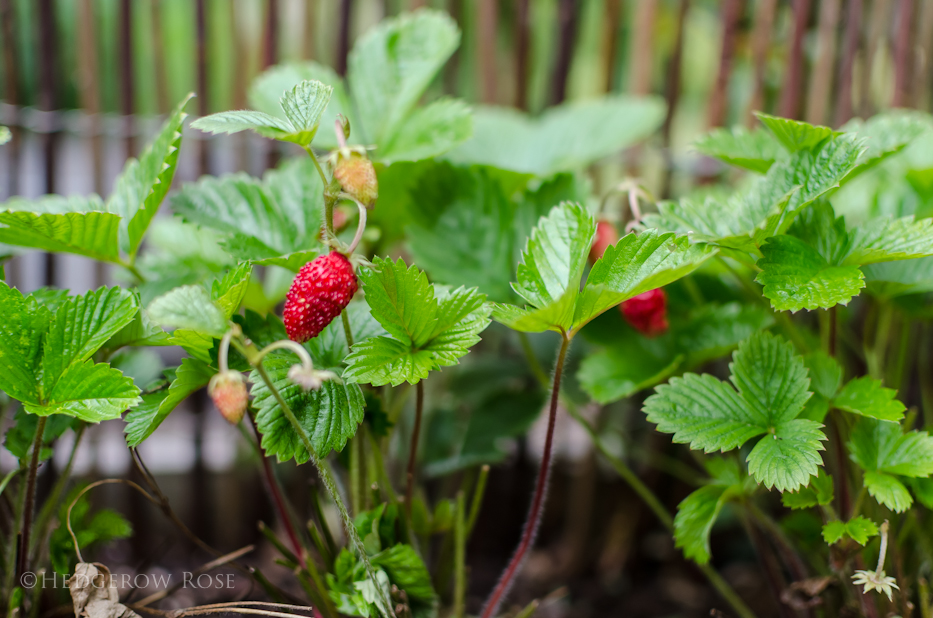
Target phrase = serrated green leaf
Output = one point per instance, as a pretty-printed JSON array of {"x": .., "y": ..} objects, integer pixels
[
  {"x": 390, "y": 67},
  {"x": 189, "y": 307},
  {"x": 260, "y": 219},
  {"x": 772, "y": 389},
  {"x": 243, "y": 120},
  {"x": 819, "y": 492},
  {"x": 859, "y": 529},
  {"x": 795, "y": 276},
  {"x": 266, "y": 91},
  {"x": 789, "y": 456},
  {"x": 887, "y": 133},
  {"x": 637, "y": 264},
  {"x": 407, "y": 571},
  {"x": 867, "y": 397},
  {"x": 694, "y": 521},
  {"x": 562, "y": 138},
  {"x": 426, "y": 332},
  {"x": 80, "y": 326},
  {"x": 923, "y": 489},
  {"x": 825, "y": 373},
  {"x": 329, "y": 415},
  {"x": 883, "y": 447},
  {"x": 893, "y": 279},
  {"x": 303, "y": 105},
  {"x": 429, "y": 131},
  {"x": 771, "y": 377},
  {"x": 192, "y": 375},
  {"x": 884, "y": 240},
  {"x": 747, "y": 218},
  {"x": 140, "y": 188},
  {"x": 752, "y": 150},
  {"x": 228, "y": 292},
  {"x": 88, "y": 391},
  {"x": 794, "y": 134},
  {"x": 92, "y": 234},
  {"x": 142, "y": 331},
  {"x": 634, "y": 363},
  {"x": 888, "y": 491},
  {"x": 24, "y": 323}
]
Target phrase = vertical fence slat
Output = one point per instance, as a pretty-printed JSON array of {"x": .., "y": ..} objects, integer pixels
[
  {"x": 790, "y": 93},
  {"x": 158, "y": 51},
  {"x": 521, "y": 54},
  {"x": 821, "y": 80},
  {"x": 903, "y": 44},
  {"x": 343, "y": 37},
  {"x": 761, "y": 44},
  {"x": 672, "y": 96},
  {"x": 924, "y": 51},
  {"x": 719, "y": 99},
  {"x": 567, "y": 24},
  {"x": 48, "y": 75},
  {"x": 127, "y": 104},
  {"x": 89, "y": 88},
  {"x": 847, "y": 62},
  {"x": 488, "y": 26},
  {"x": 11, "y": 92},
  {"x": 878, "y": 22},
  {"x": 613, "y": 9},
  {"x": 639, "y": 69},
  {"x": 310, "y": 28},
  {"x": 203, "y": 104}
]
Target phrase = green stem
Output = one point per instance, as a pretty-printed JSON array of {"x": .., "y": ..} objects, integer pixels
[
  {"x": 460, "y": 534},
  {"x": 346, "y": 328},
  {"x": 413, "y": 448},
  {"x": 131, "y": 266},
  {"x": 925, "y": 369},
  {"x": 875, "y": 353},
  {"x": 477, "y": 501},
  {"x": 356, "y": 496},
  {"x": 23, "y": 563},
  {"x": 329, "y": 202},
  {"x": 536, "y": 369},
  {"x": 330, "y": 485},
  {"x": 51, "y": 504}
]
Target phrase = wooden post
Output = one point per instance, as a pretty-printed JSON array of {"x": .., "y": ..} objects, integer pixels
[
  {"x": 488, "y": 26},
  {"x": 567, "y": 20},
  {"x": 761, "y": 44},
  {"x": 847, "y": 62},
  {"x": 522, "y": 32},
  {"x": 821, "y": 80},
  {"x": 903, "y": 45},
  {"x": 790, "y": 94},
  {"x": 719, "y": 98}
]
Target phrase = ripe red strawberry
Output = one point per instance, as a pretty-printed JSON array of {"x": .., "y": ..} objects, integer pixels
[
  {"x": 319, "y": 292},
  {"x": 357, "y": 177},
  {"x": 606, "y": 234},
  {"x": 647, "y": 312},
  {"x": 228, "y": 391}
]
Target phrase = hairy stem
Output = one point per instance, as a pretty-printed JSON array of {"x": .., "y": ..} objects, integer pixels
[
  {"x": 29, "y": 507},
  {"x": 327, "y": 478},
  {"x": 413, "y": 449},
  {"x": 537, "y": 501}
]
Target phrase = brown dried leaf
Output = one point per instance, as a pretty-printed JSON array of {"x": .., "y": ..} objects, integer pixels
[{"x": 94, "y": 594}]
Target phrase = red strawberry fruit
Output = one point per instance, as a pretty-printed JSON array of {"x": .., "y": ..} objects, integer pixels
[
  {"x": 606, "y": 234},
  {"x": 647, "y": 312},
  {"x": 319, "y": 292},
  {"x": 228, "y": 391}
]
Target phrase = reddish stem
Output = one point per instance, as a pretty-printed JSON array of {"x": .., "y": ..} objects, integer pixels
[
  {"x": 537, "y": 502},
  {"x": 277, "y": 498}
]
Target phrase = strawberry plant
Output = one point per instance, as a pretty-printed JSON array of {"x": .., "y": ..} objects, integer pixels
[{"x": 383, "y": 307}]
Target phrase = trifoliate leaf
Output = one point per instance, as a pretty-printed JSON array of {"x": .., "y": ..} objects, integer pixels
[
  {"x": 88, "y": 391},
  {"x": 753, "y": 150},
  {"x": 772, "y": 390},
  {"x": 859, "y": 529},
  {"x": 192, "y": 375},
  {"x": 795, "y": 135},
  {"x": 427, "y": 331},
  {"x": 795, "y": 276},
  {"x": 302, "y": 106},
  {"x": 867, "y": 397},
  {"x": 549, "y": 276},
  {"x": 329, "y": 415},
  {"x": 189, "y": 307}
]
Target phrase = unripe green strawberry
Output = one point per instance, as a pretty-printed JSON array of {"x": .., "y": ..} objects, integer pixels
[
  {"x": 357, "y": 177},
  {"x": 319, "y": 292},
  {"x": 228, "y": 390}
]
